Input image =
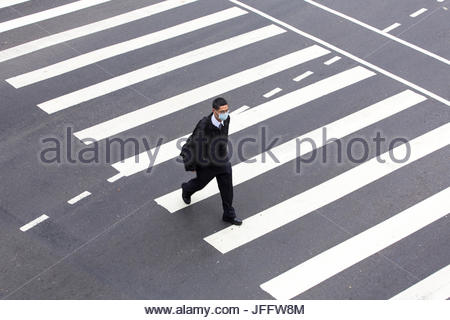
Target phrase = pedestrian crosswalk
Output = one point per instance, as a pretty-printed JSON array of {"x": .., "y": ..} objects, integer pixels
[
  {"x": 146, "y": 73},
  {"x": 265, "y": 111},
  {"x": 325, "y": 193},
  {"x": 309, "y": 61},
  {"x": 85, "y": 30},
  {"x": 317, "y": 269},
  {"x": 123, "y": 47},
  {"x": 48, "y": 14},
  {"x": 287, "y": 151},
  {"x": 191, "y": 97}
]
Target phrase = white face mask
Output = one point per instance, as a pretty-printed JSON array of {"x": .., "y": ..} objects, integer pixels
[{"x": 223, "y": 116}]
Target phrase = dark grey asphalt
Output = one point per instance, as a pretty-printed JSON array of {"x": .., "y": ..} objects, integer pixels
[{"x": 120, "y": 244}]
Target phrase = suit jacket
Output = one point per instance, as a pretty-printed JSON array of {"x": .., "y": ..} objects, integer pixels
[{"x": 212, "y": 145}]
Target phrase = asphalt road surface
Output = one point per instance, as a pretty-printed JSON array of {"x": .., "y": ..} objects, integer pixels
[{"x": 365, "y": 217}]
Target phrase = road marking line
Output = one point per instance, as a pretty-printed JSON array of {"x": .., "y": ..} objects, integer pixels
[
  {"x": 362, "y": 24},
  {"x": 418, "y": 12},
  {"x": 253, "y": 116},
  {"x": 197, "y": 95},
  {"x": 392, "y": 27},
  {"x": 240, "y": 110},
  {"x": 286, "y": 152},
  {"x": 91, "y": 28},
  {"x": 272, "y": 93},
  {"x": 159, "y": 68},
  {"x": 79, "y": 197},
  {"x": 48, "y": 14},
  {"x": 348, "y": 54},
  {"x": 342, "y": 256},
  {"x": 434, "y": 287},
  {"x": 11, "y": 3},
  {"x": 115, "y": 177},
  {"x": 327, "y": 192},
  {"x": 33, "y": 223},
  {"x": 332, "y": 60},
  {"x": 303, "y": 76},
  {"x": 123, "y": 47}
]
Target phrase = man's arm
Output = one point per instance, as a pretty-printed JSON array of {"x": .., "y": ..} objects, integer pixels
[{"x": 200, "y": 141}]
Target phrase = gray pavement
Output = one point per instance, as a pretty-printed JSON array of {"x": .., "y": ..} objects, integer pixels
[{"x": 119, "y": 243}]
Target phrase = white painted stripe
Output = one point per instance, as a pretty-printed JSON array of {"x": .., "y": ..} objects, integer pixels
[
  {"x": 5, "y": 4},
  {"x": 250, "y": 117},
  {"x": 79, "y": 197},
  {"x": 349, "y": 55},
  {"x": 286, "y": 152},
  {"x": 240, "y": 110},
  {"x": 272, "y": 92},
  {"x": 159, "y": 68},
  {"x": 197, "y": 95},
  {"x": 91, "y": 28},
  {"x": 392, "y": 27},
  {"x": 33, "y": 223},
  {"x": 332, "y": 261},
  {"x": 123, "y": 47},
  {"x": 303, "y": 76},
  {"x": 383, "y": 33},
  {"x": 434, "y": 287},
  {"x": 418, "y": 12},
  {"x": 327, "y": 192},
  {"x": 48, "y": 14},
  {"x": 332, "y": 60},
  {"x": 115, "y": 178}
]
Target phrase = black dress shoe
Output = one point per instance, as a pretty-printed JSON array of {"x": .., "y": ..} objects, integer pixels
[
  {"x": 186, "y": 198},
  {"x": 234, "y": 220}
]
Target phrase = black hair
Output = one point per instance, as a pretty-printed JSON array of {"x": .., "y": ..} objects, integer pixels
[{"x": 219, "y": 102}]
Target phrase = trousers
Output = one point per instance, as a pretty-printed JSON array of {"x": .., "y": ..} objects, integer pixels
[{"x": 224, "y": 182}]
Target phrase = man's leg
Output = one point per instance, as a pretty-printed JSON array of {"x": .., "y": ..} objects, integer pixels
[
  {"x": 225, "y": 183},
  {"x": 204, "y": 176}
]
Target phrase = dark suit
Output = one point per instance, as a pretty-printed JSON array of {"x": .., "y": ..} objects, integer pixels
[{"x": 212, "y": 161}]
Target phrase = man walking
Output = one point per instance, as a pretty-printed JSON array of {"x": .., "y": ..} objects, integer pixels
[{"x": 211, "y": 158}]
